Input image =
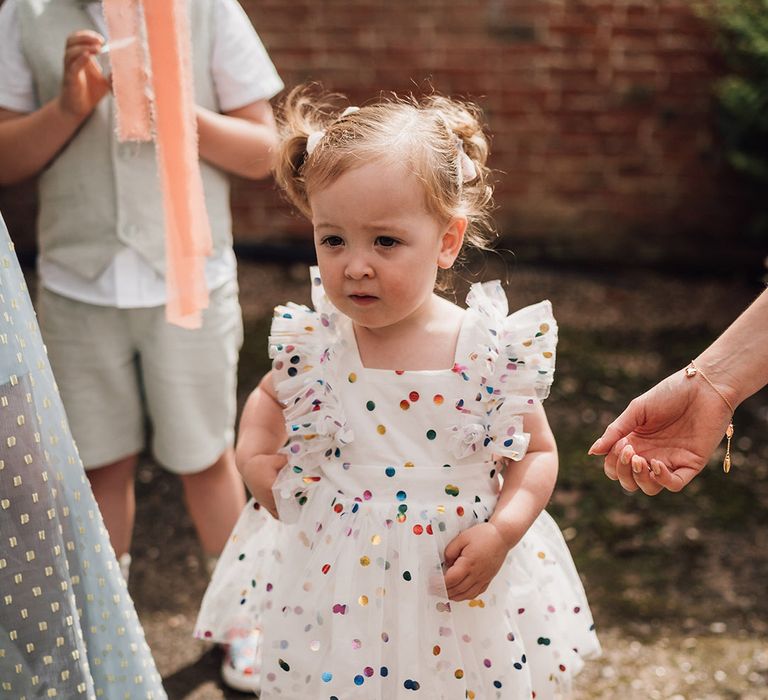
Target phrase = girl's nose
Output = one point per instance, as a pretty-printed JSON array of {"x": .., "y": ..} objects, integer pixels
[{"x": 358, "y": 268}]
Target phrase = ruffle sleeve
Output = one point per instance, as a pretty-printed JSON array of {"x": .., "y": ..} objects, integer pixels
[
  {"x": 301, "y": 346},
  {"x": 514, "y": 363}
]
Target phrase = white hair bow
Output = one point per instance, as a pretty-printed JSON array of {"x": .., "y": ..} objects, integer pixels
[
  {"x": 467, "y": 169},
  {"x": 314, "y": 138}
]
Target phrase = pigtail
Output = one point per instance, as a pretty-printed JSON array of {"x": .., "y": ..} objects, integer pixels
[
  {"x": 464, "y": 120},
  {"x": 304, "y": 111},
  {"x": 464, "y": 126}
]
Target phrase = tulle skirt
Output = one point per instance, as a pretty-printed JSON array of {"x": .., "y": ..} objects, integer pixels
[{"x": 352, "y": 604}]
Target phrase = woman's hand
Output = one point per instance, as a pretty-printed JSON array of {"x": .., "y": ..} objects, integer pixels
[
  {"x": 665, "y": 437},
  {"x": 472, "y": 559},
  {"x": 83, "y": 84},
  {"x": 259, "y": 474}
]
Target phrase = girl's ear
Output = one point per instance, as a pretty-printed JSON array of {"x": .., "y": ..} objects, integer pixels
[{"x": 451, "y": 242}]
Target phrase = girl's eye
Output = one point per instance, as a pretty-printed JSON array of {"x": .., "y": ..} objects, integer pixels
[
  {"x": 386, "y": 242},
  {"x": 332, "y": 241}
]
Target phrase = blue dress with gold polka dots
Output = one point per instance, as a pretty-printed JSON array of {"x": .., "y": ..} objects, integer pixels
[
  {"x": 68, "y": 628},
  {"x": 385, "y": 469}
]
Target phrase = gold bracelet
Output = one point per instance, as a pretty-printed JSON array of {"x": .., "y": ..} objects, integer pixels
[{"x": 691, "y": 371}]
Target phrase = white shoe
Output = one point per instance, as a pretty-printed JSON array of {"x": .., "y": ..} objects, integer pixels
[
  {"x": 241, "y": 667},
  {"x": 124, "y": 562}
]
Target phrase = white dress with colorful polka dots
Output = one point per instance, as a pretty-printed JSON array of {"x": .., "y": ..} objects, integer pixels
[{"x": 385, "y": 469}]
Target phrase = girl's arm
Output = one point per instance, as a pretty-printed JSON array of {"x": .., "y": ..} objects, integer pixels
[
  {"x": 261, "y": 434},
  {"x": 475, "y": 556},
  {"x": 528, "y": 484}
]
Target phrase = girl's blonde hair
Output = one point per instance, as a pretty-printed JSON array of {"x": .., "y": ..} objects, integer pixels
[{"x": 425, "y": 134}]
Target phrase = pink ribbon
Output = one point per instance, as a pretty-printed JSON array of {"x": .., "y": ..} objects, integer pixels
[{"x": 169, "y": 51}]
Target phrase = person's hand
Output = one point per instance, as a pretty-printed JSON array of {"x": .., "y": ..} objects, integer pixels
[
  {"x": 472, "y": 559},
  {"x": 259, "y": 474},
  {"x": 83, "y": 84},
  {"x": 665, "y": 437}
]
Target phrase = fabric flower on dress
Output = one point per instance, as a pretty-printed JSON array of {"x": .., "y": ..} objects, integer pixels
[{"x": 467, "y": 439}]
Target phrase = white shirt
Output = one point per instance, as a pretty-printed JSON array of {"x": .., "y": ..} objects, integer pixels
[{"x": 242, "y": 73}]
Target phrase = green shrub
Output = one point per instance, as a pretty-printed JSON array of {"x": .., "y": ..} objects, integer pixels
[{"x": 742, "y": 36}]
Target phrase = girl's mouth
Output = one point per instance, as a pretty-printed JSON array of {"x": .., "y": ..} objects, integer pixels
[{"x": 363, "y": 299}]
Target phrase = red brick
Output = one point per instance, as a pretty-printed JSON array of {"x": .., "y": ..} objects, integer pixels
[{"x": 566, "y": 85}]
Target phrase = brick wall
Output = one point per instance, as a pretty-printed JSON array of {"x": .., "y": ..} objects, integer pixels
[{"x": 600, "y": 110}]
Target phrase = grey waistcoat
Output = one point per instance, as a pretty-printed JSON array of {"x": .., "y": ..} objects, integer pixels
[{"x": 97, "y": 193}]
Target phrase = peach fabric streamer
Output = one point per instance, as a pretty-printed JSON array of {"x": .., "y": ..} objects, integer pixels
[
  {"x": 188, "y": 233},
  {"x": 129, "y": 74}
]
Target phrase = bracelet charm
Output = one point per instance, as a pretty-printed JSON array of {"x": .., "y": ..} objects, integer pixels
[{"x": 691, "y": 371}]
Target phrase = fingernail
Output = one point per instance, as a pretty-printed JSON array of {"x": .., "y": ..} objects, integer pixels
[
  {"x": 591, "y": 450},
  {"x": 656, "y": 468},
  {"x": 624, "y": 458},
  {"x": 636, "y": 468}
]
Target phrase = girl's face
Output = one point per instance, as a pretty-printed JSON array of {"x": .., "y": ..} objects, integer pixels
[{"x": 378, "y": 248}]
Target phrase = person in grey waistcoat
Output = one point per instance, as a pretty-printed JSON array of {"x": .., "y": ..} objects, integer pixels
[{"x": 101, "y": 263}]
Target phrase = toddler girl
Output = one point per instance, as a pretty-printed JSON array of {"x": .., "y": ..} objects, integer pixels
[{"x": 397, "y": 542}]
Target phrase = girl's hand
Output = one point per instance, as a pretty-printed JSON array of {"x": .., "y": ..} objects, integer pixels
[
  {"x": 259, "y": 474},
  {"x": 472, "y": 559},
  {"x": 83, "y": 84}
]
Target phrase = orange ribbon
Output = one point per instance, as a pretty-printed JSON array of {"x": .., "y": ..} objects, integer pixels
[{"x": 169, "y": 50}]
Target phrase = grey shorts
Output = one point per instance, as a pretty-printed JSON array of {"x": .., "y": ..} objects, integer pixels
[{"x": 121, "y": 370}]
